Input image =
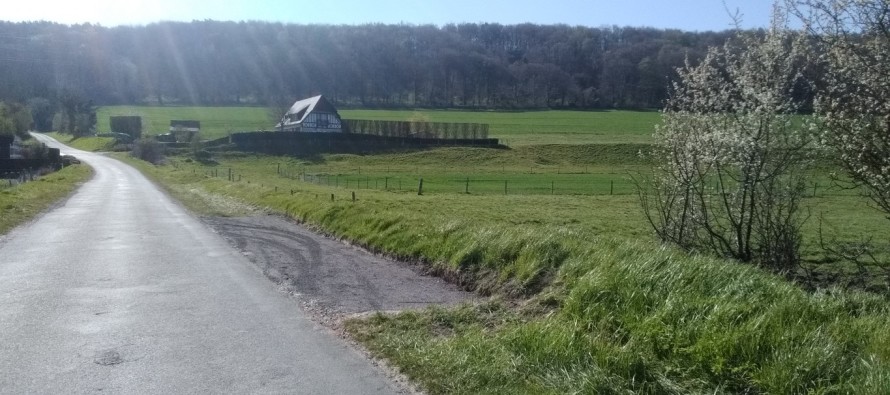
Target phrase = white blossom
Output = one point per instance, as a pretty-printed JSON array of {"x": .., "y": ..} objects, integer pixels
[{"x": 729, "y": 154}]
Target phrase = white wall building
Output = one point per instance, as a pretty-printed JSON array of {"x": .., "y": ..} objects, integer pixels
[{"x": 315, "y": 114}]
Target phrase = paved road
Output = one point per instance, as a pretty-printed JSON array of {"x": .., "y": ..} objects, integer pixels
[{"x": 119, "y": 290}]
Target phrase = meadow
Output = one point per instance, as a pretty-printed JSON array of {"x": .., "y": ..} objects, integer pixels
[
  {"x": 21, "y": 202},
  {"x": 584, "y": 300},
  {"x": 215, "y": 121},
  {"x": 513, "y": 128}
]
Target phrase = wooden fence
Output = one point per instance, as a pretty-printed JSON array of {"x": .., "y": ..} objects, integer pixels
[{"x": 413, "y": 129}]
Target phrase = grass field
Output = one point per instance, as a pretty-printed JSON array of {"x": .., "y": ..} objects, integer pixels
[
  {"x": 23, "y": 202},
  {"x": 215, "y": 121},
  {"x": 585, "y": 300},
  {"x": 539, "y": 127},
  {"x": 513, "y": 128},
  {"x": 524, "y": 170},
  {"x": 84, "y": 143}
]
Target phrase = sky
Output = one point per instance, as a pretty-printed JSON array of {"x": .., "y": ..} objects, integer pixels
[{"x": 693, "y": 15}]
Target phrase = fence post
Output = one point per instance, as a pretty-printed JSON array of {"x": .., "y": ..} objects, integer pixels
[
  {"x": 386, "y": 183},
  {"x": 611, "y": 187},
  {"x": 420, "y": 187},
  {"x": 551, "y": 187},
  {"x": 505, "y": 187},
  {"x": 353, "y": 196},
  {"x": 279, "y": 168},
  {"x": 332, "y": 197},
  {"x": 815, "y": 185},
  {"x": 467, "y": 186}
]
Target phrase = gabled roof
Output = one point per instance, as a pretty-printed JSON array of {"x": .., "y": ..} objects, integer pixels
[{"x": 307, "y": 106}]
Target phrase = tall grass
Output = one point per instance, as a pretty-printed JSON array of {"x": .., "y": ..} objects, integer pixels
[{"x": 632, "y": 317}]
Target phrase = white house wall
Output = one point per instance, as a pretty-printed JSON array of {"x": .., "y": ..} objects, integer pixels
[{"x": 322, "y": 123}]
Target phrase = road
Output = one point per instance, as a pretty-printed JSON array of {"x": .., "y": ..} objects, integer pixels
[{"x": 120, "y": 290}]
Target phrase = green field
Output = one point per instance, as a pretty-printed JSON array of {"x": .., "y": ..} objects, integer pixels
[
  {"x": 513, "y": 128},
  {"x": 22, "y": 202},
  {"x": 585, "y": 300},
  {"x": 215, "y": 121},
  {"x": 538, "y": 127}
]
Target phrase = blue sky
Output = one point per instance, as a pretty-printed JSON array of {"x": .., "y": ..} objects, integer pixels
[{"x": 681, "y": 14}]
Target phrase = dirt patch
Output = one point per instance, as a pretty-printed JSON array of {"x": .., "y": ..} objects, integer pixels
[{"x": 332, "y": 278}]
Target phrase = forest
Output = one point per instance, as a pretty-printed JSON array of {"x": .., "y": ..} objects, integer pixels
[{"x": 484, "y": 66}]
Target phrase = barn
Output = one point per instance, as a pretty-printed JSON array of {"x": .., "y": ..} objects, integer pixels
[{"x": 315, "y": 114}]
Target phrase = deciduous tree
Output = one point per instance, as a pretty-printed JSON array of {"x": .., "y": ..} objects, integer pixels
[
  {"x": 730, "y": 157},
  {"x": 854, "y": 104}
]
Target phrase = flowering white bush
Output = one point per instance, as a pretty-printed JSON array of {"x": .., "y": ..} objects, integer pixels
[
  {"x": 854, "y": 104},
  {"x": 729, "y": 153}
]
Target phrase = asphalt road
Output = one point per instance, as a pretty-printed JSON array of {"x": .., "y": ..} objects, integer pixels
[{"x": 120, "y": 290}]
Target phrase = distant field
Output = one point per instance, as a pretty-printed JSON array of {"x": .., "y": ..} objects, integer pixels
[
  {"x": 513, "y": 128},
  {"x": 215, "y": 121},
  {"x": 539, "y": 127}
]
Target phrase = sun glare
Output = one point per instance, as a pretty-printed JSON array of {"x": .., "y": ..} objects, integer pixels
[{"x": 103, "y": 12}]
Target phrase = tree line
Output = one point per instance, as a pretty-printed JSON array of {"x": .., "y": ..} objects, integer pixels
[{"x": 376, "y": 65}]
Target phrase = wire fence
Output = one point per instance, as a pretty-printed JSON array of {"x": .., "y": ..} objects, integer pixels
[
  {"x": 474, "y": 185},
  {"x": 9, "y": 179},
  {"x": 566, "y": 183}
]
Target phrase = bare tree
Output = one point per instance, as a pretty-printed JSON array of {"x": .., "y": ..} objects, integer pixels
[
  {"x": 278, "y": 106},
  {"x": 730, "y": 157}
]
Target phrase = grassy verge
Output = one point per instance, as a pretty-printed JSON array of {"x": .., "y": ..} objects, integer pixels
[
  {"x": 84, "y": 143},
  {"x": 20, "y": 203},
  {"x": 629, "y": 318},
  {"x": 594, "y": 306}
]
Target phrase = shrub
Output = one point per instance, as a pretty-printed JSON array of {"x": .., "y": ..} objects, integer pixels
[{"x": 149, "y": 150}]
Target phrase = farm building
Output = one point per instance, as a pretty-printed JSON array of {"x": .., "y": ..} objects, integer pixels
[{"x": 315, "y": 114}]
